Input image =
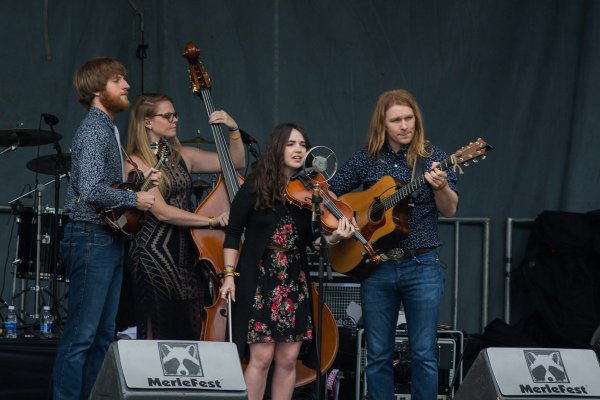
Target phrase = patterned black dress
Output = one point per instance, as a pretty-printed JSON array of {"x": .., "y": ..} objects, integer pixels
[
  {"x": 281, "y": 307},
  {"x": 169, "y": 289}
]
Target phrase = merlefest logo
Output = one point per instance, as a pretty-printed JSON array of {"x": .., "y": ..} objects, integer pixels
[
  {"x": 548, "y": 374},
  {"x": 181, "y": 363}
]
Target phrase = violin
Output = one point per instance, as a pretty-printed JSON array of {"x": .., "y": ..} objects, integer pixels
[{"x": 299, "y": 191}]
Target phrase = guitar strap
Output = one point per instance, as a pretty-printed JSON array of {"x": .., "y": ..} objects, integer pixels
[{"x": 138, "y": 172}]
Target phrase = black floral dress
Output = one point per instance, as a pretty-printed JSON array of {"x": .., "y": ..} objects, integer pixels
[{"x": 281, "y": 308}]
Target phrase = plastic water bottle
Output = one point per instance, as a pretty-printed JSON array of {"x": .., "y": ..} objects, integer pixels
[
  {"x": 10, "y": 325},
  {"x": 46, "y": 323}
]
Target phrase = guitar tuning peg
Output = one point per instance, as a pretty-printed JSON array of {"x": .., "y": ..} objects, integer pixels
[
  {"x": 475, "y": 161},
  {"x": 484, "y": 157},
  {"x": 466, "y": 164}
]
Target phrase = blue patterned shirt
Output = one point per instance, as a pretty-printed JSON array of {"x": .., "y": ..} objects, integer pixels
[
  {"x": 95, "y": 166},
  {"x": 423, "y": 216}
]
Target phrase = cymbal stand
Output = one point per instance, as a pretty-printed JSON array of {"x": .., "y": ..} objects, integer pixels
[
  {"x": 14, "y": 201},
  {"x": 10, "y": 148},
  {"x": 14, "y": 146},
  {"x": 38, "y": 256},
  {"x": 60, "y": 165}
]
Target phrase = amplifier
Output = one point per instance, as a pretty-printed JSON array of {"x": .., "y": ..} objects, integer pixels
[
  {"x": 338, "y": 296},
  {"x": 450, "y": 347}
]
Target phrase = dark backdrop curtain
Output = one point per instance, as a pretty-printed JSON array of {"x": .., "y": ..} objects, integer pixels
[{"x": 520, "y": 73}]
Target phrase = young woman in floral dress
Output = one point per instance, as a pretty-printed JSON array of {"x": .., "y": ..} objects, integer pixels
[{"x": 271, "y": 313}]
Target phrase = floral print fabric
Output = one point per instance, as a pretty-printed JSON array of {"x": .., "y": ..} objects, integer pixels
[{"x": 281, "y": 308}]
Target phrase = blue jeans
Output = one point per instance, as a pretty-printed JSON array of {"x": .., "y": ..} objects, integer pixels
[
  {"x": 94, "y": 256},
  {"x": 418, "y": 283}
]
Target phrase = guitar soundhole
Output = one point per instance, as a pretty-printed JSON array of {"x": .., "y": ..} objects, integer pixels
[{"x": 376, "y": 212}]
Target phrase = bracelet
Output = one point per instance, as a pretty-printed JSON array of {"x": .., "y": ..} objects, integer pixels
[
  {"x": 237, "y": 128},
  {"x": 228, "y": 268},
  {"x": 333, "y": 243},
  {"x": 235, "y": 137},
  {"x": 441, "y": 187},
  {"x": 210, "y": 222},
  {"x": 225, "y": 274}
]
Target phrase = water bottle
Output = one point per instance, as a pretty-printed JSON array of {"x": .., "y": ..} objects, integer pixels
[
  {"x": 46, "y": 323},
  {"x": 10, "y": 325}
]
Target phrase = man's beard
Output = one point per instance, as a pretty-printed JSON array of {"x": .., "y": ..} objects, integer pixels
[{"x": 113, "y": 104}]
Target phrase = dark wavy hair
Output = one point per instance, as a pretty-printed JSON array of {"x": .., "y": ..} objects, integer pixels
[{"x": 268, "y": 174}]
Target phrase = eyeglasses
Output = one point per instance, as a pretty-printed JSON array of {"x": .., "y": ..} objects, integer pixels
[{"x": 170, "y": 116}]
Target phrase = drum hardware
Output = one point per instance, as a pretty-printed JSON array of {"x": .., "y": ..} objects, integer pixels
[
  {"x": 199, "y": 186},
  {"x": 47, "y": 164},
  {"x": 28, "y": 217},
  {"x": 26, "y": 137}
]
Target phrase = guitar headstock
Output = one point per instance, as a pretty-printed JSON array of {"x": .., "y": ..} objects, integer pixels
[
  {"x": 198, "y": 76},
  {"x": 472, "y": 152}
]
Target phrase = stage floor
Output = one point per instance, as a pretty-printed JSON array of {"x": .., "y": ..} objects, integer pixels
[{"x": 26, "y": 368}]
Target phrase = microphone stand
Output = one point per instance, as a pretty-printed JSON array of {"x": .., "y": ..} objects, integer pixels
[
  {"x": 249, "y": 141},
  {"x": 317, "y": 229}
]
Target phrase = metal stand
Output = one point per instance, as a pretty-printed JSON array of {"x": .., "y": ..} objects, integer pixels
[
  {"x": 39, "y": 239},
  {"x": 60, "y": 165},
  {"x": 9, "y": 148},
  {"x": 317, "y": 229}
]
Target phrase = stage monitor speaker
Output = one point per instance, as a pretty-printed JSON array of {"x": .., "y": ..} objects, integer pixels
[
  {"x": 530, "y": 373},
  {"x": 170, "y": 369}
]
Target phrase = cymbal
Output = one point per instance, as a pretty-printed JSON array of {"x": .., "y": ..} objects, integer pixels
[
  {"x": 47, "y": 164},
  {"x": 200, "y": 185},
  {"x": 197, "y": 140},
  {"x": 27, "y": 137}
]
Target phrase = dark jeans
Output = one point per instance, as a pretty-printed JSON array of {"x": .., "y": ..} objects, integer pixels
[
  {"x": 418, "y": 283},
  {"x": 94, "y": 256}
]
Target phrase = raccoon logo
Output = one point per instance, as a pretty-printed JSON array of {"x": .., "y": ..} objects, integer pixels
[
  {"x": 546, "y": 366},
  {"x": 180, "y": 359}
]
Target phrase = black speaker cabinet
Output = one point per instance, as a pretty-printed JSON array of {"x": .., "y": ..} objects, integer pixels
[
  {"x": 157, "y": 369},
  {"x": 530, "y": 373}
]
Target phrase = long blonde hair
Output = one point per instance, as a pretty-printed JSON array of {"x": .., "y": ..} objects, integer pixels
[
  {"x": 377, "y": 132},
  {"x": 138, "y": 142}
]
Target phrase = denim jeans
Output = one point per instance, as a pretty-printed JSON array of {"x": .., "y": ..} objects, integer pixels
[
  {"x": 418, "y": 283},
  {"x": 94, "y": 256}
]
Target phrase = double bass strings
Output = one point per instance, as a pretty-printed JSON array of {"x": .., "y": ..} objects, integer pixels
[{"x": 229, "y": 172}]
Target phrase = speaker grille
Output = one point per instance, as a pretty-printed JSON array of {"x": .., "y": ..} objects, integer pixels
[{"x": 337, "y": 297}]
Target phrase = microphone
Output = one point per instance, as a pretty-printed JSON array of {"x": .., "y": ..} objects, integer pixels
[
  {"x": 319, "y": 164},
  {"x": 247, "y": 138},
  {"x": 50, "y": 119}
]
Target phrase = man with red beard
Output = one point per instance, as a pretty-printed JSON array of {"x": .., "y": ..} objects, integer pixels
[{"x": 91, "y": 250}]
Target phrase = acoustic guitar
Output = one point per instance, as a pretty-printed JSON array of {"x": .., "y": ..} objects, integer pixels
[
  {"x": 381, "y": 214},
  {"x": 128, "y": 220}
]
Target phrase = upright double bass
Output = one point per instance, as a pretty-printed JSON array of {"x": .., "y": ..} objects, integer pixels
[{"x": 210, "y": 241}]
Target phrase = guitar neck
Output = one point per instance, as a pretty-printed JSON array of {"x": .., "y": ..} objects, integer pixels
[
  {"x": 228, "y": 168},
  {"x": 147, "y": 182},
  {"x": 412, "y": 187}
]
